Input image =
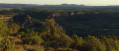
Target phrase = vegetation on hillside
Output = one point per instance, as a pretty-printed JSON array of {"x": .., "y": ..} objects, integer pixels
[
  {"x": 37, "y": 30},
  {"x": 51, "y": 36}
]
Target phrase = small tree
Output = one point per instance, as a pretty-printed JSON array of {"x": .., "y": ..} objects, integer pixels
[
  {"x": 51, "y": 30},
  {"x": 54, "y": 35}
]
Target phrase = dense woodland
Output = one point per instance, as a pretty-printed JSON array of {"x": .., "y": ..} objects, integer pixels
[{"x": 59, "y": 30}]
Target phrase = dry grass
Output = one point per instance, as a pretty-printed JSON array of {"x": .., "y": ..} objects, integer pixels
[
  {"x": 19, "y": 48},
  {"x": 65, "y": 49},
  {"x": 33, "y": 48}
]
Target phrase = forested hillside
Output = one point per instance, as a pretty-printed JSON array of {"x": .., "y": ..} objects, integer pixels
[
  {"x": 59, "y": 30},
  {"x": 80, "y": 22}
]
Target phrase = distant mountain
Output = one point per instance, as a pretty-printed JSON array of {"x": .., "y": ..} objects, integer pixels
[{"x": 62, "y": 6}]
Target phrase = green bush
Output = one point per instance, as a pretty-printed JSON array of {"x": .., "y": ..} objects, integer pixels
[
  {"x": 7, "y": 45},
  {"x": 111, "y": 44},
  {"x": 3, "y": 28},
  {"x": 31, "y": 38},
  {"x": 63, "y": 42},
  {"x": 77, "y": 43},
  {"x": 93, "y": 44},
  {"x": 13, "y": 28}
]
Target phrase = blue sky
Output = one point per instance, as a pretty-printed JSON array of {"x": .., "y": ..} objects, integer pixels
[{"x": 54, "y": 2}]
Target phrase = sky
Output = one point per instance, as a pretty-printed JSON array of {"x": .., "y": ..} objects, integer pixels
[{"x": 57, "y": 2}]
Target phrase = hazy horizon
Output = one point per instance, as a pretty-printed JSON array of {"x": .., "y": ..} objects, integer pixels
[{"x": 58, "y": 2}]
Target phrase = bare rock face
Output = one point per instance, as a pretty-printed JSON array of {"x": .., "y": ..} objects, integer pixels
[{"x": 65, "y": 14}]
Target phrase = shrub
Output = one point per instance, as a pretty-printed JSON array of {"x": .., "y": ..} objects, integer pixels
[
  {"x": 77, "y": 43},
  {"x": 93, "y": 44},
  {"x": 111, "y": 44},
  {"x": 31, "y": 38},
  {"x": 3, "y": 28},
  {"x": 7, "y": 45},
  {"x": 63, "y": 42},
  {"x": 13, "y": 28}
]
